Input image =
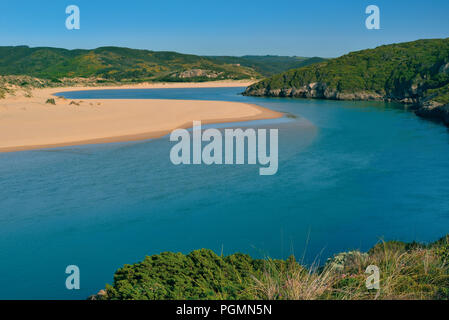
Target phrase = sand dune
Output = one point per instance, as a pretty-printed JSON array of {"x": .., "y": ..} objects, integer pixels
[{"x": 31, "y": 123}]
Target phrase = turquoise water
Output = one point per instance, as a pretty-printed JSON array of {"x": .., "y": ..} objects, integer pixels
[{"x": 349, "y": 174}]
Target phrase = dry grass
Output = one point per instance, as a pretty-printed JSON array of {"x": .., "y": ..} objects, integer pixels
[
  {"x": 415, "y": 273},
  {"x": 292, "y": 282}
]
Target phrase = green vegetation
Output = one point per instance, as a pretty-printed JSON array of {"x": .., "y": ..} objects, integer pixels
[
  {"x": 23, "y": 85},
  {"x": 24, "y": 68},
  {"x": 51, "y": 101},
  {"x": 413, "y": 72},
  {"x": 439, "y": 95},
  {"x": 407, "y": 271},
  {"x": 115, "y": 64},
  {"x": 199, "y": 275},
  {"x": 267, "y": 65}
]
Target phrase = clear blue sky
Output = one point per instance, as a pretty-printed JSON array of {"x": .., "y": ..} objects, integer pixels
[{"x": 327, "y": 28}]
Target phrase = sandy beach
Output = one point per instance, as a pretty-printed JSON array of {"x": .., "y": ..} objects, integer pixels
[{"x": 28, "y": 123}]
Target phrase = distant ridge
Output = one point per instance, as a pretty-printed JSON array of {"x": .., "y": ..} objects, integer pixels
[
  {"x": 125, "y": 64},
  {"x": 268, "y": 65},
  {"x": 117, "y": 64}
]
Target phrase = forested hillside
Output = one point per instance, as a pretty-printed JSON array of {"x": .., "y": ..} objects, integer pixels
[
  {"x": 268, "y": 65},
  {"x": 416, "y": 73},
  {"x": 118, "y": 64}
]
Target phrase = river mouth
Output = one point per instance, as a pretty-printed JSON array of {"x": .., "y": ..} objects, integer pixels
[{"x": 350, "y": 173}]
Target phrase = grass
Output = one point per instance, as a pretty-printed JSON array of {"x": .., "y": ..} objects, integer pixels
[
  {"x": 291, "y": 282},
  {"x": 51, "y": 101},
  {"x": 417, "y": 273},
  {"x": 408, "y": 271}
]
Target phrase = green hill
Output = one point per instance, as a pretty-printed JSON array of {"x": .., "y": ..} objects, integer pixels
[
  {"x": 416, "y": 73},
  {"x": 268, "y": 65},
  {"x": 117, "y": 64}
]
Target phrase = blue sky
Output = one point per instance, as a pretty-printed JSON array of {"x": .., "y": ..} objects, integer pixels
[{"x": 327, "y": 28}]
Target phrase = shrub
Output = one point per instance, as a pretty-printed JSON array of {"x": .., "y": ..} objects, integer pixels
[
  {"x": 51, "y": 101},
  {"x": 407, "y": 271}
]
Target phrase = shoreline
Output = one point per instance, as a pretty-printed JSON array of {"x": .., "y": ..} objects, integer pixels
[
  {"x": 158, "y": 85},
  {"x": 98, "y": 121}
]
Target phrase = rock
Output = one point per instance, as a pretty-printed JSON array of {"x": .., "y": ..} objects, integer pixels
[
  {"x": 346, "y": 261},
  {"x": 192, "y": 73},
  {"x": 101, "y": 295},
  {"x": 412, "y": 96},
  {"x": 444, "y": 68},
  {"x": 315, "y": 90},
  {"x": 435, "y": 112}
]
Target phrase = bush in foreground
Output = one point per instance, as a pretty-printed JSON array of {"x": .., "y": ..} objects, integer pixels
[{"x": 407, "y": 271}]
